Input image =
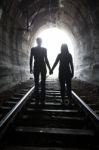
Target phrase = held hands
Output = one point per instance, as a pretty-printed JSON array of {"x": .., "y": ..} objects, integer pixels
[{"x": 51, "y": 71}]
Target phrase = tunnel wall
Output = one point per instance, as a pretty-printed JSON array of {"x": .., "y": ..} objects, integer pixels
[
  {"x": 14, "y": 55},
  {"x": 87, "y": 53}
]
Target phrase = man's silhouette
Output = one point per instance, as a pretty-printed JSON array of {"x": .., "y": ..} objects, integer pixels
[
  {"x": 40, "y": 60},
  {"x": 66, "y": 71}
]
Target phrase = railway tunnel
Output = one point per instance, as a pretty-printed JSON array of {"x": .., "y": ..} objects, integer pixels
[
  {"x": 21, "y": 21},
  {"x": 74, "y": 22}
]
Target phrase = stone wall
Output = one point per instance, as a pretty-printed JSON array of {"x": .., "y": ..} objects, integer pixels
[
  {"x": 14, "y": 55},
  {"x": 87, "y": 66}
]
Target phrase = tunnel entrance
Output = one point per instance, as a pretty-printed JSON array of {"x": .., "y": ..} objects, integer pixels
[{"x": 52, "y": 39}]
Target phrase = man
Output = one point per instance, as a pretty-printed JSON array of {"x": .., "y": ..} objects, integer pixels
[
  {"x": 40, "y": 60},
  {"x": 66, "y": 71}
]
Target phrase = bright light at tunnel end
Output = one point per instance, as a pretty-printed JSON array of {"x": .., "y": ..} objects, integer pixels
[{"x": 52, "y": 39}]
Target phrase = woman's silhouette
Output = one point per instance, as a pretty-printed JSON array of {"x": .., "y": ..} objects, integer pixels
[{"x": 66, "y": 71}]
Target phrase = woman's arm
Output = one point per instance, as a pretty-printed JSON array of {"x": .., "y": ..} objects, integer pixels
[
  {"x": 31, "y": 59},
  {"x": 55, "y": 63},
  {"x": 71, "y": 65}
]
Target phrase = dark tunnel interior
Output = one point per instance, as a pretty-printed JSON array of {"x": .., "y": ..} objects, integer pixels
[{"x": 21, "y": 21}]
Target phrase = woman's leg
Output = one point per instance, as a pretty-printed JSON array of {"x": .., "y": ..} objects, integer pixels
[
  {"x": 62, "y": 87},
  {"x": 68, "y": 82}
]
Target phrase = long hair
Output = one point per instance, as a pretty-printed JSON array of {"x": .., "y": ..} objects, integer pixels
[{"x": 64, "y": 49}]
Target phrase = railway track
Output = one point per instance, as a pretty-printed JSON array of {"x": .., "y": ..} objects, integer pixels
[{"x": 51, "y": 125}]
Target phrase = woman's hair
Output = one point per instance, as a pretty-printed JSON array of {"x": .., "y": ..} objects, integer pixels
[{"x": 64, "y": 48}]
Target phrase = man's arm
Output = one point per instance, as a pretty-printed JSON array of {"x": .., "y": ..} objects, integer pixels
[
  {"x": 47, "y": 61},
  {"x": 31, "y": 59}
]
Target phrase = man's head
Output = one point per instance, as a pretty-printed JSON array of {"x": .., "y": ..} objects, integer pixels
[{"x": 39, "y": 41}]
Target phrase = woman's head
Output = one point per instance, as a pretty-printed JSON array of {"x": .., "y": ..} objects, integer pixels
[{"x": 64, "y": 48}]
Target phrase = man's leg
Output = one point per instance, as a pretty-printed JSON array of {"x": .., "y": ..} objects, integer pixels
[
  {"x": 43, "y": 78},
  {"x": 36, "y": 80}
]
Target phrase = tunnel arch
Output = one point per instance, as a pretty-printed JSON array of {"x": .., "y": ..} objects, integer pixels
[{"x": 76, "y": 30}]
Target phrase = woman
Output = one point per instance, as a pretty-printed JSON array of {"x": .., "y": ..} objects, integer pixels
[{"x": 66, "y": 71}]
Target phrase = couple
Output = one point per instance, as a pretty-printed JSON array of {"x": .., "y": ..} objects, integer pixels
[{"x": 66, "y": 70}]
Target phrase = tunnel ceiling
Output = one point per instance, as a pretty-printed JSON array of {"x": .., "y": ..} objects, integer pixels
[
  {"x": 30, "y": 12},
  {"x": 30, "y": 15}
]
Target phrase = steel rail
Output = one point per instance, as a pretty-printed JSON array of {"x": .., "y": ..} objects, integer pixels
[
  {"x": 10, "y": 116},
  {"x": 4, "y": 123},
  {"x": 87, "y": 110}
]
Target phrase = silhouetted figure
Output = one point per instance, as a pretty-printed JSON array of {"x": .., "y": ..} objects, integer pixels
[
  {"x": 66, "y": 71},
  {"x": 40, "y": 60}
]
